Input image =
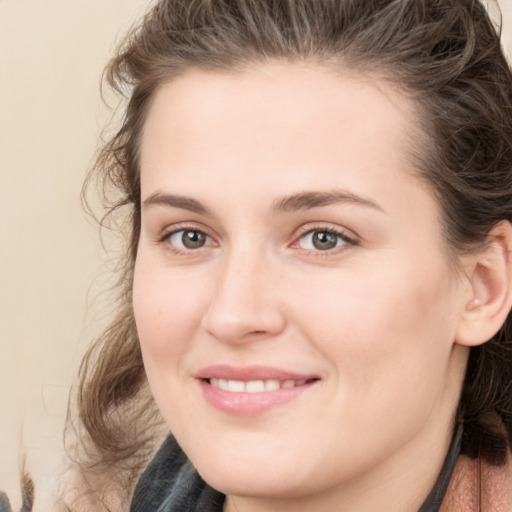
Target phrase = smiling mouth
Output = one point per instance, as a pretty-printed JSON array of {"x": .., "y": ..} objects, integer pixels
[
  {"x": 257, "y": 386},
  {"x": 254, "y": 390}
]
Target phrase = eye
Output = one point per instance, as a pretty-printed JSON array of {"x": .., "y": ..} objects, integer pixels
[
  {"x": 188, "y": 239},
  {"x": 323, "y": 240}
]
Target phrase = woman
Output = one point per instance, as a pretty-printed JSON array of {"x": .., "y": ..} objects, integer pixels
[{"x": 318, "y": 283}]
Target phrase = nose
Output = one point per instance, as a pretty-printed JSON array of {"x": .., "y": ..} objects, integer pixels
[{"x": 244, "y": 305}]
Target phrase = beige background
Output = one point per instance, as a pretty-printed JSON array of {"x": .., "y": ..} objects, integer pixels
[{"x": 51, "y": 56}]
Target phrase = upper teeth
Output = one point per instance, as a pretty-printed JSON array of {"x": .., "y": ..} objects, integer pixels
[{"x": 254, "y": 386}]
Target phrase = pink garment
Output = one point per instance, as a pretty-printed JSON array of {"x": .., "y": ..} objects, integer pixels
[{"x": 476, "y": 486}]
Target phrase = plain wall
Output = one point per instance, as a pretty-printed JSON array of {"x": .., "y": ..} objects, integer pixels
[
  {"x": 52, "y": 53},
  {"x": 51, "y": 56}
]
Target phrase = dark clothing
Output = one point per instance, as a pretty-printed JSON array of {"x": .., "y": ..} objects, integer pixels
[
  {"x": 171, "y": 484},
  {"x": 436, "y": 496}
]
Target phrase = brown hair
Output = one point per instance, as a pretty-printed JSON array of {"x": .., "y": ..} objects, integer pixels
[{"x": 445, "y": 54}]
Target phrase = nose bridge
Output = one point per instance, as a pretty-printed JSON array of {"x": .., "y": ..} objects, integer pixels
[{"x": 243, "y": 304}]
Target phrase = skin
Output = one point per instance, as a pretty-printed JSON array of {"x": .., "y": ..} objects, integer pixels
[{"x": 376, "y": 320}]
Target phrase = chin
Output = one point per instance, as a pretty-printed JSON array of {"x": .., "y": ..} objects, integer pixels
[
  {"x": 260, "y": 474},
  {"x": 251, "y": 482}
]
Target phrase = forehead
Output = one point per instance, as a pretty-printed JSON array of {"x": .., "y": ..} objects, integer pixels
[{"x": 238, "y": 126}]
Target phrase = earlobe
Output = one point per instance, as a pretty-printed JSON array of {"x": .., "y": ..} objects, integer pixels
[{"x": 490, "y": 279}]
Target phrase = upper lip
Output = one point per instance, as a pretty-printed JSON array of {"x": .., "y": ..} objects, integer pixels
[{"x": 249, "y": 373}]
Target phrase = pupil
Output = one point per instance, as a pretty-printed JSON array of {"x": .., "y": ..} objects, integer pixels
[
  {"x": 323, "y": 240},
  {"x": 193, "y": 239}
]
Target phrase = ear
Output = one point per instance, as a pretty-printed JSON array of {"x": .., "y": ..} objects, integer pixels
[{"x": 489, "y": 274}]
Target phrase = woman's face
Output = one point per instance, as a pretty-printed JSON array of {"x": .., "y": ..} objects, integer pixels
[{"x": 295, "y": 303}]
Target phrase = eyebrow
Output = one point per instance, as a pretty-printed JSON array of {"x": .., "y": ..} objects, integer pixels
[
  {"x": 308, "y": 200},
  {"x": 183, "y": 202},
  {"x": 295, "y": 202}
]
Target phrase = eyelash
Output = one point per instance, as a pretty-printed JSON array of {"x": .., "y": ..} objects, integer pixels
[
  {"x": 340, "y": 234},
  {"x": 167, "y": 235}
]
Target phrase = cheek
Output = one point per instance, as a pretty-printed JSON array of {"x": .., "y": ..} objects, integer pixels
[
  {"x": 383, "y": 329},
  {"x": 388, "y": 342},
  {"x": 167, "y": 311}
]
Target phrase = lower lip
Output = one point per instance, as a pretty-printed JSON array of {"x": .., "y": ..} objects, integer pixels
[{"x": 250, "y": 404}]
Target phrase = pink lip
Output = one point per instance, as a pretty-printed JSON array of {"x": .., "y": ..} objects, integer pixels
[
  {"x": 250, "y": 404},
  {"x": 247, "y": 373}
]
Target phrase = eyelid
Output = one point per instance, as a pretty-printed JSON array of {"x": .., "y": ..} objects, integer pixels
[
  {"x": 344, "y": 234},
  {"x": 166, "y": 233}
]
